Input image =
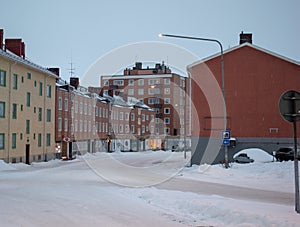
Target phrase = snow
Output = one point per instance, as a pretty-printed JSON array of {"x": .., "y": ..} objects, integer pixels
[{"x": 75, "y": 193}]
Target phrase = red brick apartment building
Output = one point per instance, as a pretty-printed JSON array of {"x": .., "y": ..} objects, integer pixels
[
  {"x": 88, "y": 122},
  {"x": 161, "y": 90},
  {"x": 255, "y": 79}
]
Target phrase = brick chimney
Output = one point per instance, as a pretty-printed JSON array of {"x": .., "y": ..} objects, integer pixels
[
  {"x": 245, "y": 38},
  {"x": 16, "y": 46},
  {"x": 1, "y": 38},
  {"x": 54, "y": 70},
  {"x": 74, "y": 81}
]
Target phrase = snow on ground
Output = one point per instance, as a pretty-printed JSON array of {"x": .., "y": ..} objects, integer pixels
[
  {"x": 71, "y": 193},
  {"x": 262, "y": 174}
]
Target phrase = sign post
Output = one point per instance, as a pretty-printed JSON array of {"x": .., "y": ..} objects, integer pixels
[
  {"x": 289, "y": 108},
  {"x": 226, "y": 142}
]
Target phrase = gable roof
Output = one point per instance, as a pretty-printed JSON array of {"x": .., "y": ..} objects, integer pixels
[
  {"x": 27, "y": 63},
  {"x": 241, "y": 46}
]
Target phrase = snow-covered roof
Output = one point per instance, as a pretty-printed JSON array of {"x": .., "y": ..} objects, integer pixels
[
  {"x": 27, "y": 63},
  {"x": 134, "y": 102},
  {"x": 243, "y": 45}
]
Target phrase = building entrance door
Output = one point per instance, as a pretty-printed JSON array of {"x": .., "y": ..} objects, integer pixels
[{"x": 27, "y": 154}]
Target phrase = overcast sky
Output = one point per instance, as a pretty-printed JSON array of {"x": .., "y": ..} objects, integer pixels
[{"x": 56, "y": 30}]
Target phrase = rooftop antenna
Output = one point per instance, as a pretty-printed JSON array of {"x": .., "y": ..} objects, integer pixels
[{"x": 71, "y": 69}]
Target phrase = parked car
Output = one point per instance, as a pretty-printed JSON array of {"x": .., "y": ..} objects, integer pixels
[
  {"x": 243, "y": 158},
  {"x": 285, "y": 154}
]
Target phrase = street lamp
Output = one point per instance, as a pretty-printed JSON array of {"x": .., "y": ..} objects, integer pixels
[{"x": 222, "y": 68}]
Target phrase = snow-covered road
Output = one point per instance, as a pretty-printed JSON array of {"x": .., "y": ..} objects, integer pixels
[
  {"x": 72, "y": 193},
  {"x": 228, "y": 191}
]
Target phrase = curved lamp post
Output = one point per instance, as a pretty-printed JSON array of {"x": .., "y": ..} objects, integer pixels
[{"x": 222, "y": 68}]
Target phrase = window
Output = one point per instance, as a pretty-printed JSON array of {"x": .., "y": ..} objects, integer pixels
[
  {"x": 40, "y": 114},
  {"x": 13, "y": 140},
  {"x": 167, "y": 90},
  {"x": 48, "y": 140},
  {"x": 141, "y": 91},
  {"x": 121, "y": 116},
  {"x": 2, "y": 109},
  {"x": 49, "y": 91},
  {"x": 14, "y": 111},
  {"x": 96, "y": 111},
  {"x": 132, "y": 117},
  {"x": 85, "y": 109},
  {"x": 66, "y": 125},
  {"x": 167, "y": 80},
  {"x": 126, "y": 128},
  {"x": 27, "y": 126},
  {"x": 28, "y": 99},
  {"x": 35, "y": 83},
  {"x": 132, "y": 128},
  {"x": 130, "y": 82},
  {"x": 41, "y": 89},
  {"x": 143, "y": 128},
  {"x": 127, "y": 116},
  {"x": 167, "y": 100},
  {"x": 76, "y": 106},
  {"x": 48, "y": 117},
  {"x": 143, "y": 117},
  {"x": 15, "y": 81},
  {"x": 39, "y": 140},
  {"x": 2, "y": 141},
  {"x": 80, "y": 108},
  {"x": 141, "y": 82},
  {"x": 152, "y": 100},
  {"x": 130, "y": 91},
  {"x": 100, "y": 112},
  {"x": 153, "y": 91},
  {"x": 167, "y": 120},
  {"x": 29, "y": 76},
  {"x": 105, "y": 83},
  {"x": 105, "y": 92},
  {"x": 2, "y": 78},
  {"x": 21, "y": 136},
  {"x": 167, "y": 131},
  {"x": 59, "y": 124},
  {"x": 118, "y": 82},
  {"x": 66, "y": 105},
  {"x": 151, "y": 81},
  {"x": 34, "y": 110},
  {"x": 166, "y": 110},
  {"x": 59, "y": 103},
  {"x": 121, "y": 128}
]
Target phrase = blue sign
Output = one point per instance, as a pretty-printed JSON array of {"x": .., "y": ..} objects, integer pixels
[
  {"x": 226, "y": 142},
  {"x": 226, "y": 134}
]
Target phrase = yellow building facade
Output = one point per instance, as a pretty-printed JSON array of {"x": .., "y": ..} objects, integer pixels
[{"x": 27, "y": 110}]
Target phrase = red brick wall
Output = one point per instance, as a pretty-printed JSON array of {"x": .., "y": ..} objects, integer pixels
[{"x": 254, "y": 82}]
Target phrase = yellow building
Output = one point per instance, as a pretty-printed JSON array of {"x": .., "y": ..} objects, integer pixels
[{"x": 27, "y": 110}]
